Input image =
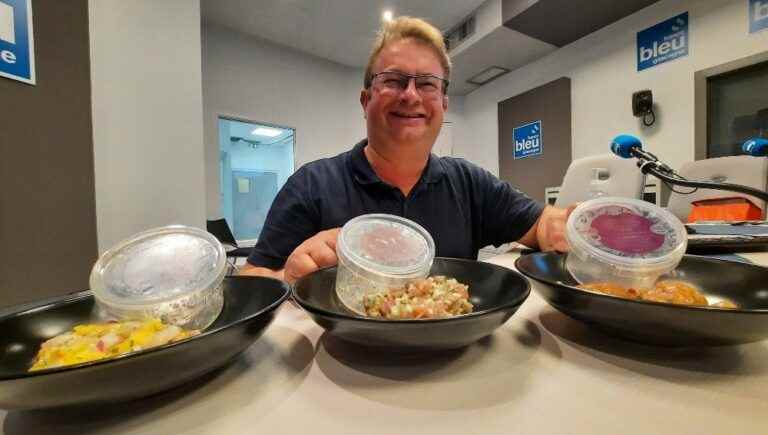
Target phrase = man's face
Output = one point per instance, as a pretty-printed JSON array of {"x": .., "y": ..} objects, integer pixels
[{"x": 410, "y": 117}]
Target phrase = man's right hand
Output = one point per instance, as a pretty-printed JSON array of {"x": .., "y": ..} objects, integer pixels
[{"x": 315, "y": 253}]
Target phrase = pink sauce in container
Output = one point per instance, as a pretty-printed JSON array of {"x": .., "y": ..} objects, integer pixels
[{"x": 625, "y": 241}]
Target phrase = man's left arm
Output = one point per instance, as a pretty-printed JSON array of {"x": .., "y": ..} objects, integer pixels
[
  {"x": 548, "y": 232},
  {"x": 510, "y": 215}
]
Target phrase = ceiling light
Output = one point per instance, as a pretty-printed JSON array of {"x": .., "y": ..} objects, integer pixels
[
  {"x": 386, "y": 15},
  {"x": 487, "y": 75},
  {"x": 266, "y": 131}
]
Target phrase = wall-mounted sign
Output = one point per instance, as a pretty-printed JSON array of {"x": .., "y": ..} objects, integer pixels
[
  {"x": 17, "y": 49},
  {"x": 528, "y": 140},
  {"x": 758, "y": 15},
  {"x": 663, "y": 42}
]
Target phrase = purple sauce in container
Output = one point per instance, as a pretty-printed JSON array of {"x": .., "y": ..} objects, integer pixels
[{"x": 624, "y": 241}]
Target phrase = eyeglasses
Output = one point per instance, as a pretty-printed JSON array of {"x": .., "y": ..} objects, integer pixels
[{"x": 427, "y": 85}]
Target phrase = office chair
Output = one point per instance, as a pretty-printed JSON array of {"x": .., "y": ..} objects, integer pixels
[
  {"x": 745, "y": 170},
  {"x": 619, "y": 177},
  {"x": 220, "y": 229}
]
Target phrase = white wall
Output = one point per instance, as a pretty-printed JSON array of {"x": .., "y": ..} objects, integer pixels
[
  {"x": 252, "y": 79},
  {"x": 602, "y": 67},
  {"x": 457, "y": 117},
  {"x": 147, "y": 115}
]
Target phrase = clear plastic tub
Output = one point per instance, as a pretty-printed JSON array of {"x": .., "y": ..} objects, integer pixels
[
  {"x": 625, "y": 241},
  {"x": 378, "y": 252},
  {"x": 172, "y": 273}
]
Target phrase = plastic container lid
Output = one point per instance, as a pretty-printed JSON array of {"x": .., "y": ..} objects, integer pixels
[
  {"x": 387, "y": 244},
  {"x": 158, "y": 265},
  {"x": 626, "y": 234},
  {"x": 378, "y": 252}
]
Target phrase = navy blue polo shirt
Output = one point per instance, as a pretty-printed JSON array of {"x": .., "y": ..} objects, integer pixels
[{"x": 463, "y": 206}]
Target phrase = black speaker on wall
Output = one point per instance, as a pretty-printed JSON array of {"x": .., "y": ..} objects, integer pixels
[{"x": 642, "y": 106}]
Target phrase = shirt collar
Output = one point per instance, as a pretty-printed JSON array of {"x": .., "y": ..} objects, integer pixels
[{"x": 364, "y": 173}]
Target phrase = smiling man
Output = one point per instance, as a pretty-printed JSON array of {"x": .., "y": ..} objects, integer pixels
[{"x": 404, "y": 100}]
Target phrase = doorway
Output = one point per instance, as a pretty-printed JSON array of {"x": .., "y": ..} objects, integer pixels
[{"x": 255, "y": 160}]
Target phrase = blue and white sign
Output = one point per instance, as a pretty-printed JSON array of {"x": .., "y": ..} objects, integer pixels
[
  {"x": 663, "y": 42},
  {"x": 17, "y": 48},
  {"x": 528, "y": 140},
  {"x": 758, "y": 15}
]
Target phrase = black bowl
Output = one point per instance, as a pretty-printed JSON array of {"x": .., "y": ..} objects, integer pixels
[
  {"x": 249, "y": 307},
  {"x": 495, "y": 291},
  {"x": 662, "y": 323}
]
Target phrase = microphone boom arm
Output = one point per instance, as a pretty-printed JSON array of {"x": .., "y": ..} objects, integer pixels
[{"x": 661, "y": 171}]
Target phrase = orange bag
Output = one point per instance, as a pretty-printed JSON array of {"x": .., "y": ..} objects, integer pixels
[{"x": 724, "y": 209}]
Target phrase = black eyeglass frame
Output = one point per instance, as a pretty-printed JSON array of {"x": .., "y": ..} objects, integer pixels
[{"x": 446, "y": 82}]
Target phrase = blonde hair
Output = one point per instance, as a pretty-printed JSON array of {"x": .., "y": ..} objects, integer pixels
[{"x": 408, "y": 28}]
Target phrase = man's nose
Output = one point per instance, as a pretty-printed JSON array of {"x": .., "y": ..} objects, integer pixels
[{"x": 410, "y": 92}]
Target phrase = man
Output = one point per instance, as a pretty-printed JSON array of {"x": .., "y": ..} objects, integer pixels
[{"x": 392, "y": 171}]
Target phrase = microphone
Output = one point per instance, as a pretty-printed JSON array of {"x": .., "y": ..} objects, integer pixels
[
  {"x": 757, "y": 147},
  {"x": 627, "y": 146}
]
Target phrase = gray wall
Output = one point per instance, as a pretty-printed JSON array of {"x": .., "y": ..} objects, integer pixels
[
  {"x": 147, "y": 116},
  {"x": 47, "y": 210},
  {"x": 603, "y": 70},
  {"x": 550, "y": 103},
  {"x": 251, "y": 79}
]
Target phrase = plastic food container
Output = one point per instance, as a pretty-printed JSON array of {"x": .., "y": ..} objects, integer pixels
[
  {"x": 378, "y": 252},
  {"x": 172, "y": 273},
  {"x": 625, "y": 241}
]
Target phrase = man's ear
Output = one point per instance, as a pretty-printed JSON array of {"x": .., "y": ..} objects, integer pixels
[
  {"x": 445, "y": 103},
  {"x": 365, "y": 98}
]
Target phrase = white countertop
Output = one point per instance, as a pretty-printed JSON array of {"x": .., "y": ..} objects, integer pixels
[{"x": 541, "y": 373}]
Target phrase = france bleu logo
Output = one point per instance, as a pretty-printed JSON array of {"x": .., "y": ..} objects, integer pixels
[
  {"x": 663, "y": 42},
  {"x": 528, "y": 140},
  {"x": 758, "y": 15},
  {"x": 16, "y": 44}
]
